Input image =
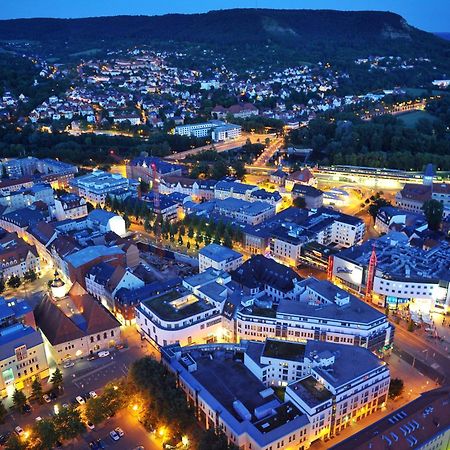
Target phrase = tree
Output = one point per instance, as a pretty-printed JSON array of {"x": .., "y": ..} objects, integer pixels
[
  {"x": 68, "y": 423},
  {"x": 209, "y": 440},
  {"x": 227, "y": 241},
  {"x": 375, "y": 206},
  {"x": 45, "y": 433},
  {"x": 190, "y": 232},
  {"x": 3, "y": 412},
  {"x": 433, "y": 210},
  {"x": 396, "y": 387},
  {"x": 14, "y": 282},
  {"x": 127, "y": 221},
  {"x": 95, "y": 410},
  {"x": 15, "y": 443},
  {"x": 36, "y": 390},
  {"x": 2, "y": 285},
  {"x": 19, "y": 399},
  {"x": 57, "y": 379},
  {"x": 30, "y": 275}
]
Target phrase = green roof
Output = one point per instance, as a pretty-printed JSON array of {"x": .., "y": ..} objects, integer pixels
[{"x": 163, "y": 308}]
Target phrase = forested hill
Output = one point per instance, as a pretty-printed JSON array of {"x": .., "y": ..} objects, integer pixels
[{"x": 303, "y": 32}]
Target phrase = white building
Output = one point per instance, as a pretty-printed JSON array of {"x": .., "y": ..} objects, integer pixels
[
  {"x": 219, "y": 258},
  {"x": 96, "y": 186},
  {"x": 70, "y": 206},
  {"x": 215, "y": 129},
  {"x": 404, "y": 275},
  {"x": 329, "y": 386},
  {"x": 105, "y": 221}
]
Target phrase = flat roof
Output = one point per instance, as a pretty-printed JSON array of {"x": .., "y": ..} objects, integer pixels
[
  {"x": 219, "y": 253},
  {"x": 162, "y": 307},
  {"x": 293, "y": 351},
  {"x": 87, "y": 254},
  {"x": 311, "y": 391}
]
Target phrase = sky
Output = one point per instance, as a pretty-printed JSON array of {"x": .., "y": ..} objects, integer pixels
[{"x": 430, "y": 15}]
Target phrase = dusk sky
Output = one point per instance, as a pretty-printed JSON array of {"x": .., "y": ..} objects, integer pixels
[{"x": 432, "y": 15}]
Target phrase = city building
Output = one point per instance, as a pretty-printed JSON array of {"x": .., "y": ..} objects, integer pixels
[
  {"x": 18, "y": 168},
  {"x": 185, "y": 315},
  {"x": 413, "y": 196},
  {"x": 251, "y": 213},
  {"x": 233, "y": 189},
  {"x": 76, "y": 326},
  {"x": 226, "y": 132},
  {"x": 70, "y": 206},
  {"x": 96, "y": 186},
  {"x": 106, "y": 221},
  {"x": 390, "y": 217},
  {"x": 219, "y": 258},
  {"x": 22, "y": 352},
  {"x": 313, "y": 197},
  {"x": 215, "y": 129},
  {"x": 48, "y": 166},
  {"x": 240, "y": 110},
  {"x": 401, "y": 274},
  {"x": 304, "y": 176},
  {"x": 17, "y": 257},
  {"x": 328, "y": 386},
  {"x": 76, "y": 263},
  {"x": 423, "y": 423},
  {"x": 141, "y": 168}
]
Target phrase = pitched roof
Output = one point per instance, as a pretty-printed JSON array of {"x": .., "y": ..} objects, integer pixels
[{"x": 55, "y": 325}]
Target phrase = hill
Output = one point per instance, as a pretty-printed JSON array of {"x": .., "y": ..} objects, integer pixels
[{"x": 313, "y": 34}]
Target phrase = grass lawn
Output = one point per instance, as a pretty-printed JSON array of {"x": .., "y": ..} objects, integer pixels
[{"x": 410, "y": 119}]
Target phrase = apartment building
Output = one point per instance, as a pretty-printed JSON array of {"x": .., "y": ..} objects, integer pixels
[{"x": 219, "y": 258}]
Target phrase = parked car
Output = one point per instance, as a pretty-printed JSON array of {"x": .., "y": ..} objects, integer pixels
[
  {"x": 119, "y": 431},
  {"x": 26, "y": 409},
  {"x": 80, "y": 400},
  {"x": 68, "y": 364},
  {"x": 53, "y": 395},
  {"x": 93, "y": 394},
  {"x": 19, "y": 431},
  {"x": 103, "y": 354},
  {"x": 90, "y": 425},
  {"x": 93, "y": 445},
  {"x": 38, "y": 419},
  {"x": 91, "y": 357},
  {"x": 114, "y": 435},
  {"x": 46, "y": 398},
  {"x": 4, "y": 438},
  {"x": 100, "y": 443}
]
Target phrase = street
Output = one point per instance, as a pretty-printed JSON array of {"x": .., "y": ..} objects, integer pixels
[{"x": 86, "y": 376}]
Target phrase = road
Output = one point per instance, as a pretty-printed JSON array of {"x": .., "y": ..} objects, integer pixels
[
  {"x": 269, "y": 151},
  {"x": 221, "y": 146},
  {"x": 88, "y": 376}
]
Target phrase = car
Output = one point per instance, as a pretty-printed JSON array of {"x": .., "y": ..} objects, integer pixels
[
  {"x": 68, "y": 364},
  {"x": 4, "y": 438},
  {"x": 139, "y": 447},
  {"x": 93, "y": 394},
  {"x": 100, "y": 443},
  {"x": 103, "y": 354},
  {"x": 53, "y": 395},
  {"x": 120, "y": 346},
  {"x": 91, "y": 357},
  {"x": 19, "y": 431},
  {"x": 119, "y": 431},
  {"x": 46, "y": 398},
  {"x": 80, "y": 400},
  {"x": 38, "y": 419},
  {"x": 65, "y": 405},
  {"x": 93, "y": 445},
  {"x": 90, "y": 425},
  {"x": 26, "y": 409},
  {"x": 114, "y": 435}
]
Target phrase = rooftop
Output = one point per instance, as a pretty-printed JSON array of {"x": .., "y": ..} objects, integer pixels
[
  {"x": 177, "y": 304},
  {"x": 413, "y": 425},
  {"x": 292, "y": 351},
  {"x": 311, "y": 391},
  {"x": 87, "y": 254},
  {"x": 219, "y": 253}
]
